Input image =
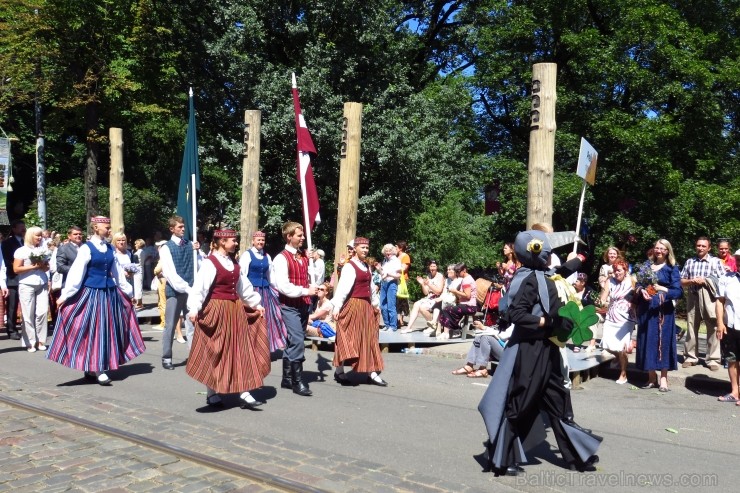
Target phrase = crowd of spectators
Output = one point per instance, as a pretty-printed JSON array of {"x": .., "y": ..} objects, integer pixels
[{"x": 636, "y": 303}]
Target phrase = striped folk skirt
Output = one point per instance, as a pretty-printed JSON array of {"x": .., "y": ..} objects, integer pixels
[
  {"x": 96, "y": 330},
  {"x": 357, "y": 337},
  {"x": 277, "y": 334},
  {"x": 229, "y": 352}
]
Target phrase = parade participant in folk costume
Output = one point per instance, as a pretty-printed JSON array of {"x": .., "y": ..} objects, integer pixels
[
  {"x": 289, "y": 277},
  {"x": 357, "y": 328},
  {"x": 256, "y": 265},
  {"x": 96, "y": 328},
  {"x": 528, "y": 378},
  {"x": 229, "y": 353},
  {"x": 176, "y": 259}
]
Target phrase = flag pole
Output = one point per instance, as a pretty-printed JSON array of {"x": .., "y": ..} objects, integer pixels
[
  {"x": 307, "y": 223},
  {"x": 580, "y": 213},
  {"x": 194, "y": 230},
  {"x": 194, "y": 193},
  {"x": 304, "y": 195}
]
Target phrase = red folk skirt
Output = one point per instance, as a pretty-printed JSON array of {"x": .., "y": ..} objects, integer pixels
[
  {"x": 230, "y": 352},
  {"x": 357, "y": 337}
]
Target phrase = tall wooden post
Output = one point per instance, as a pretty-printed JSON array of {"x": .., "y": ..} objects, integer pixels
[
  {"x": 349, "y": 178},
  {"x": 541, "y": 144},
  {"x": 116, "y": 180},
  {"x": 250, "y": 177}
]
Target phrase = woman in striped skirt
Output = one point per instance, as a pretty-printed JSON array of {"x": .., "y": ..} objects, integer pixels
[
  {"x": 256, "y": 265},
  {"x": 357, "y": 327},
  {"x": 229, "y": 352},
  {"x": 96, "y": 328}
]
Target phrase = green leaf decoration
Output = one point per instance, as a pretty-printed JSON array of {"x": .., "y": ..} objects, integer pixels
[{"x": 582, "y": 318}]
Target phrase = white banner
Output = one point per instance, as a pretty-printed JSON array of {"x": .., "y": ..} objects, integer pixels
[{"x": 587, "y": 162}]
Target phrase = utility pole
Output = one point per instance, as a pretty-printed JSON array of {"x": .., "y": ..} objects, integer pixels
[
  {"x": 541, "y": 144},
  {"x": 40, "y": 167}
]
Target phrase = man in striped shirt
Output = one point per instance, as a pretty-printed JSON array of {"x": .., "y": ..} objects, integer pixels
[{"x": 700, "y": 306}]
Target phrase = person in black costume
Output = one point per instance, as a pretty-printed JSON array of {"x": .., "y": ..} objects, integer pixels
[{"x": 528, "y": 379}]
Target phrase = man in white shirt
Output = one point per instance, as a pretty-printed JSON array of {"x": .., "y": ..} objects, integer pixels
[
  {"x": 727, "y": 307},
  {"x": 176, "y": 257},
  {"x": 290, "y": 277}
]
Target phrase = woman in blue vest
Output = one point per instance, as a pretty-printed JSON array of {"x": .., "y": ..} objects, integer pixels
[
  {"x": 256, "y": 265},
  {"x": 96, "y": 329}
]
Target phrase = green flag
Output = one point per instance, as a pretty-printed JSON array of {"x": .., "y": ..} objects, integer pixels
[{"x": 190, "y": 171}]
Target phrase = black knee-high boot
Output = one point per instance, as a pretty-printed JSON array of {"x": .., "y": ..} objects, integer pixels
[
  {"x": 287, "y": 382},
  {"x": 300, "y": 388}
]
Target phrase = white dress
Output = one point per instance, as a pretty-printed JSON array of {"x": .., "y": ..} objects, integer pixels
[{"x": 619, "y": 318}]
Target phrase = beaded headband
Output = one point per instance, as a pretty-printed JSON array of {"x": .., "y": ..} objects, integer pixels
[{"x": 224, "y": 233}]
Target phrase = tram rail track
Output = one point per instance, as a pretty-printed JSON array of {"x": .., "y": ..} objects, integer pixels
[{"x": 225, "y": 466}]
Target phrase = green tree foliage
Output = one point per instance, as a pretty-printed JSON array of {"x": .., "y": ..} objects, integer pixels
[
  {"x": 454, "y": 231},
  {"x": 144, "y": 211},
  {"x": 648, "y": 83},
  {"x": 445, "y": 88}
]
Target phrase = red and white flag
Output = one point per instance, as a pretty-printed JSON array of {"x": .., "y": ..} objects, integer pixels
[{"x": 306, "y": 150}]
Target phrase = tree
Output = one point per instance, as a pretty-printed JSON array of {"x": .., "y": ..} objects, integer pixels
[{"x": 647, "y": 83}]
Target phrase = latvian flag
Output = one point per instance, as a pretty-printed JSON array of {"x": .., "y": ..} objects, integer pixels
[{"x": 306, "y": 150}]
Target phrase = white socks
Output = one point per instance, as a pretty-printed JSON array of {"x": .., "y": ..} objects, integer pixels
[
  {"x": 247, "y": 397},
  {"x": 374, "y": 375}
]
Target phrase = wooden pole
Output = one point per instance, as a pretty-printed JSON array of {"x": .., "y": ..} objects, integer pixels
[
  {"x": 541, "y": 144},
  {"x": 349, "y": 178},
  {"x": 250, "y": 177},
  {"x": 116, "y": 180}
]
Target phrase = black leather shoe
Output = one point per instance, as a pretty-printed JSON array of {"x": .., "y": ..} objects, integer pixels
[
  {"x": 587, "y": 466},
  {"x": 379, "y": 383},
  {"x": 252, "y": 406},
  {"x": 167, "y": 365},
  {"x": 15, "y": 336},
  {"x": 286, "y": 382},
  {"x": 296, "y": 373},
  {"x": 509, "y": 471},
  {"x": 103, "y": 379},
  {"x": 342, "y": 379}
]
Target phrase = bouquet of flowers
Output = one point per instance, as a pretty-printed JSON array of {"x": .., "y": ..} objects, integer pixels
[
  {"x": 595, "y": 297},
  {"x": 646, "y": 278},
  {"x": 131, "y": 269},
  {"x": 39, "y": 255}
]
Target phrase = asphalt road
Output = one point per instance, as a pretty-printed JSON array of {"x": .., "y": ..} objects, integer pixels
[{"x": 426, "y": 421}]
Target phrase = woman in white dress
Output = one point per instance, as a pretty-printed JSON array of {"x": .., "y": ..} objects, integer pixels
[{"x": 619, "y": 320}]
